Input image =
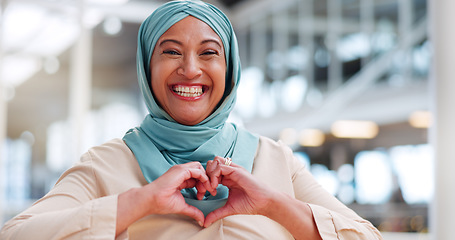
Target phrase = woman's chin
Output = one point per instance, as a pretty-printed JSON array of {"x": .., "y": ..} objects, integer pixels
[{"x": 189, "y": 121}]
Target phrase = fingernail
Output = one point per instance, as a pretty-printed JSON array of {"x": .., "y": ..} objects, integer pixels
[{"x": 201, "y": 224}]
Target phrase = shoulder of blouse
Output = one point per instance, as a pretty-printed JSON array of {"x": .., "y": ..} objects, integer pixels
[
  {"x": 268, "y": 146},
  {"x": 114, "y": 146},
  {"x": 113, "y": 156},
  {"x": 107, "y": 169},
  {"x": 113, "y": 153}
]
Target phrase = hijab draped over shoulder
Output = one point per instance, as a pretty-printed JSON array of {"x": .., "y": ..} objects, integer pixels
[{"x": 160, "y": 142}]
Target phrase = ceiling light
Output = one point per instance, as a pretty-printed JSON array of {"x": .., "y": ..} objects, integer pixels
[
  {"x": 51, "y": 65},
  {"x": 112, "y": 25},
  {"x": 311, "y": 138},
  {"x": 355, "y": 129},
  {"x": 420, "y": 119}
]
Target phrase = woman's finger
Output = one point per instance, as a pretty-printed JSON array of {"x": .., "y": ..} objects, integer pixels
[
  {"x": 219, "y": 159},
  {"x": 198, "y": 174},
  {"x": 200, "y": 190},
  {"x": 211, "y": 165},
  {"x": 187, "y": 184},
  {"x": 194, "y": 213},
  {"x": 217, "y": 214},
  {"x": 234, "y": 175},
  {"x": 214, "y": 174},
  {"x": 203, "y": 181},
  {"x": 191, "y": 175},
  {"x": 210, "y": 168}
]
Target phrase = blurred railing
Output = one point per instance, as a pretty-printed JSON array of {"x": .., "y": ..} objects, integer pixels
[{"x": 338, "y": 48}]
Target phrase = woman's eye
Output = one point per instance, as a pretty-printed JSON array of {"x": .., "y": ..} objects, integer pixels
[
  {"x": 210, "y": 53},
  {"x": 171, "y": 52}
]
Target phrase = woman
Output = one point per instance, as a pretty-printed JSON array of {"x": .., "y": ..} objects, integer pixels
[{"x": 185, "y": 173}]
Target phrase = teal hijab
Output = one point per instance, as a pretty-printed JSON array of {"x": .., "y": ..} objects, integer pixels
[{"x": 160, "y": 142}]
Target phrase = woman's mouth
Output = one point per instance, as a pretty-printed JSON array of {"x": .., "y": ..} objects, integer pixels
[{"x": 188, "y": 91}]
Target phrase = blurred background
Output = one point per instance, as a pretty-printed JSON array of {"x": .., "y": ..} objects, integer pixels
[{"x": 345, "y": 83}]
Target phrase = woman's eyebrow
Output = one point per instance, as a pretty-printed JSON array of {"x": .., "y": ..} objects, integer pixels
[
  {"x": 211, "y": 40},
  {"x": 180, "y": 43},
  {"x": 170, "y": 40}
]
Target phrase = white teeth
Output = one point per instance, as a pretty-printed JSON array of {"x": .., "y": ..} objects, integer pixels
[{"x": 188, "y": 91}]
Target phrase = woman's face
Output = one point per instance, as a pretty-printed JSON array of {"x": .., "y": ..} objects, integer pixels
[{"x": 188, "y": 69}]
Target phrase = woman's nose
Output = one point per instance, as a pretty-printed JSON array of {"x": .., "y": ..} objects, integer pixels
[{"x": 190, "y": 68}]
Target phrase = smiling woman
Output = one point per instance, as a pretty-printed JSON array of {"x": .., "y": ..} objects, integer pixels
[
  {"x": 186, "y": 173},
  {"x": 188, "y": 70}
]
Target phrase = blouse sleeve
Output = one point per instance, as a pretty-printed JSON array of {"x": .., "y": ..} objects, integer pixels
[
  {"x": 73, "y": 209},
  {"x": 333, "y": 219}
]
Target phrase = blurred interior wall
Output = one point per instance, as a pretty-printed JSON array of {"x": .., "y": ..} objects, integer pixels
[
  {"x": 442, "y": 80},
  {"x": 80, "y": 84},
  {"x": 3, "y": 112}
]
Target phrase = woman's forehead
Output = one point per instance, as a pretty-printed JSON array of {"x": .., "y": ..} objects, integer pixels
[{"x": 191, "y": 25}]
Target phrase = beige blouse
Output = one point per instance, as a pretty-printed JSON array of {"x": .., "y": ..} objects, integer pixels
[{"x": 83, "y": 203}]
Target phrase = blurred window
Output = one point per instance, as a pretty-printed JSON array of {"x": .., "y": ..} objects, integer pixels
[
  {"x": 414, "y": 168},
  {"x": 373, "y": 177}
]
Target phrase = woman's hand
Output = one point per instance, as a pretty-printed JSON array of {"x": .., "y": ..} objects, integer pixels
[
  {"x": 163, "y": 196},
  {"x": 246, "y": 194},
  {"x": 165, "y": 192}
]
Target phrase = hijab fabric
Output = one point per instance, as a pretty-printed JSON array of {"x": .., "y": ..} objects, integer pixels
[{"x": 160, "y": 142}]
